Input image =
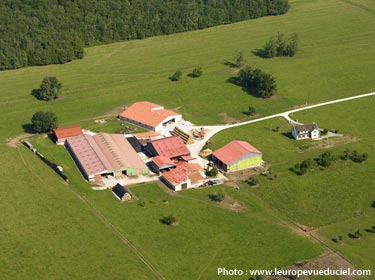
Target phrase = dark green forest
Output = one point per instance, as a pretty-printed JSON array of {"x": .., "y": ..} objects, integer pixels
[{"x": 40, "y": 32}]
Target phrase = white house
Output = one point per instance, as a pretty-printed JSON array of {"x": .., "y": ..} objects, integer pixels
[{"x": 305, "y": 131}]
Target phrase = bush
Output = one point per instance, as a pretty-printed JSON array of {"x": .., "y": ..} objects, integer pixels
[
  {"x": 44, "y": 121},
  {"x": 217, "y": 196},
  {"x": 197, "y": 72},
  {"x": 252, "y": 111},
  {"x": 169, "y": 220},
  {"x": 176, "y": 76},
  {"x": 240, "y": 61},
  {"x": 253, "y": 180},
  {"x": 325, "y": 159},
  {"x": 213, "y": 172},
  {"x": 50, "y": 89}
]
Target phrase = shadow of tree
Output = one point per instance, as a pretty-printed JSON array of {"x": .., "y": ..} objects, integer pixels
[
  {"x": 28, "y": 128},
  {"x": 260, "y": 53},
  {"x": 230, "y": 64}
]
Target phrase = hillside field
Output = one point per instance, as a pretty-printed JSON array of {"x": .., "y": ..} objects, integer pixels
[
  {"x": 49, "y": 230},
  {"x": 335, "y": 60}
]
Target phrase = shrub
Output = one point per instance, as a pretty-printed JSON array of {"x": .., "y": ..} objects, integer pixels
[
  {"x": 176, "y": 76},
  {"x": 217, "y": 196},
  {"x": 240, "y": 61},
  {"x": 253, "y": 180},
  {"x": 197, "y": 72},
  {"x": 252, "y": 111},
  {"x": 169, "y": 220}
]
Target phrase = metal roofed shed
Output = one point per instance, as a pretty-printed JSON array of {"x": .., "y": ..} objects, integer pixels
[
  {"x": 121, "y": 155},
  {"x": 134, "y": 142},
  {"x": 88, "y": 157},
  {"x": 121, "y": 193},
  {"x": 237, "y": 155}
]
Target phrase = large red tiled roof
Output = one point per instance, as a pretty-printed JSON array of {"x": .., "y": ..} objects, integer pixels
[
  {"x": 147, "y": 113},
  {"x": 234, "y": 151},
  {"x": 69, "y": 131},
  {"x": 182, "y": 172},
  {"x": 170, "y": 147}
]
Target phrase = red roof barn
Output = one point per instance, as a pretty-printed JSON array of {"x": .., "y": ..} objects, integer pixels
[
  {"x": 63, "y": 133},
  {"x": 169, "y": 147}
]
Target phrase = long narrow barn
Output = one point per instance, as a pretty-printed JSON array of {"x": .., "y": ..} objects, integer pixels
[{"x": 105, "y": 154}]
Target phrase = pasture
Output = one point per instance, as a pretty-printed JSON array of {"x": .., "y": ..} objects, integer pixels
[
  {"x": 335, "y": 60},
  {"x": 51, "y": 233}
]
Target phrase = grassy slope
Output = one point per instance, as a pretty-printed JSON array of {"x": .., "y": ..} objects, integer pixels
[
  {"x": 194, "y": 247},
  {"x": 326, "y": 199},
  {"x": 47, "y": 233},
  {"x": 313, "y": 199},
  {"x": 335, "y": 61}
]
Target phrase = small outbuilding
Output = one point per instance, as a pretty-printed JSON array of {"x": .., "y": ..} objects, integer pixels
[
  {"x": 63, "y": 133},
  {"x": 305, "y": 131},
  {"x": 184, "y": 176},
  {"x": 237, "y": 155},
  {"x": 160, "y": 163},
  {"x": 121, "y": 193}
]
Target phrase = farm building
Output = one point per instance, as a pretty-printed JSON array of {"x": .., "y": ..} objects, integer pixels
[
  {"x": 121, "y": 193},
  {"x": 134, "y": 142},
  {"x": 88, "y": 157},
  {"x": 305, "y": 131},
  {"x": 170, "y": 147},
  {"x": 63, "y": 133},
  {"x": 160, "y": 163},
  {"x": 105, "y": 154},
  {"x": 149, "y": 115},
  {"x": 237, "y": 155},
  {"x": 184, "y": 176},
  {"x": 123, "y": 158}
]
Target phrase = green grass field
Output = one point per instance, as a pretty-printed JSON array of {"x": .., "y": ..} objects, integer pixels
[
  {"x": 328, "y": 199},
  {"x": 335, "y": 60},
  {"x": 49, "y": 233}
]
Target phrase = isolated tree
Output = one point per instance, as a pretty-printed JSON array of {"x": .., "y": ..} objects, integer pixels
[
  {"x": 257, "y": 82},
  {"x": 197, "y": 72},
  {"x": 176, "y": 76},
  {"x": 44, "y": 121},
  {"x": 239, "y": 59},
  {"x": 50, "y": 89}
]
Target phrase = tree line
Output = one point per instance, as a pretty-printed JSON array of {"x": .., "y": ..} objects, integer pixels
[{"x": 41, "y": 32}]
